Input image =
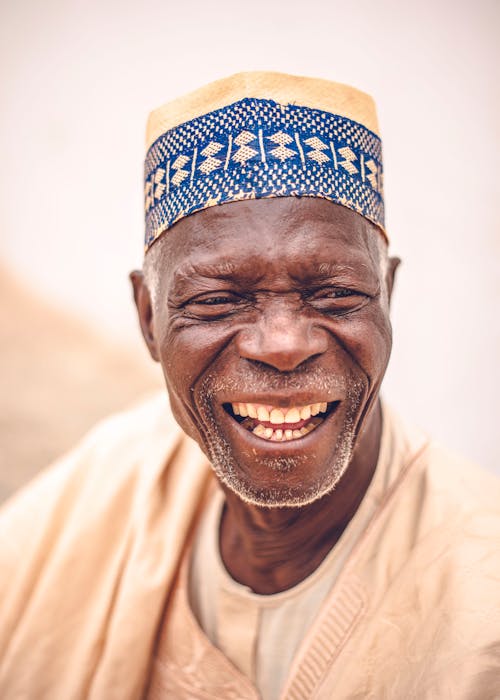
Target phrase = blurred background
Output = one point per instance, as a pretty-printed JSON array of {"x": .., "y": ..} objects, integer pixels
[{"x": 78, "y": 79}]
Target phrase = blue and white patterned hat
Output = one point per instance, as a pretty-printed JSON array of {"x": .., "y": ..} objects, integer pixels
[{"x": 257, "y": 135}]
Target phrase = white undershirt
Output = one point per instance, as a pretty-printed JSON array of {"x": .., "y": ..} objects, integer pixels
[{"x": 260, "y": 634}]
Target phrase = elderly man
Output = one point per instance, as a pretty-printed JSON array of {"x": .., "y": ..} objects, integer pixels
[{"x": 315, "y": 547}]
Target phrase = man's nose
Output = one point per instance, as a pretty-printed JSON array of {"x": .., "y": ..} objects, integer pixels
[{"x": 283, "y": 339}]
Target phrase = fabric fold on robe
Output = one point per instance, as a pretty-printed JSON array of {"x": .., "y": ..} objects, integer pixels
[{"x": 90, "y": 552}]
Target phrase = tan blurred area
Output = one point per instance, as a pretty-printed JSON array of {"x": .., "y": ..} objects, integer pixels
[{"x": 58, "y": 378}]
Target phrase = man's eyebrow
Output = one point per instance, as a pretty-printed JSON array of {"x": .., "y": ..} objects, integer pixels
[
  {"x": 332, "y": 269},
  {"x": 222, "y": 269},
  {"x": 185, "y": 275}
]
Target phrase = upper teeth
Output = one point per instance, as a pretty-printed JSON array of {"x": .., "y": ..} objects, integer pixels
[{"x": 278, "y": 416}]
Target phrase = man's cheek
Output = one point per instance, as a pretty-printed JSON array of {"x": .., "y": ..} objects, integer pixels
[
  {"x": 185, "y": 357},
  {"x": 369, "y": 344},
  {"x": 183, "y": 415},
  {"x": 188, "y": 353}
]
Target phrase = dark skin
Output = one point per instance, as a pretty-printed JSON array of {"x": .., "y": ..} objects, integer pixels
[{"x": 285, "y": 302}]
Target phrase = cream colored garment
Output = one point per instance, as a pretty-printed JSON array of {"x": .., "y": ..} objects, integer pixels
[
  {"x": 413, "y": 615},
  {"x": 89, "y": 552},
  {"x": 261, "y": 633},
  {"x": 87, "y": 556}
]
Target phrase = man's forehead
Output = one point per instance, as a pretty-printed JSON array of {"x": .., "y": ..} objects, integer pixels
[
  {"x": 249, "y": 271},
  {"x": 313, "y": 237},
  {"x": 277, "y": 219}
]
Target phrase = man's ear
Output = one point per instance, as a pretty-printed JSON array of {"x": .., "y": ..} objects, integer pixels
[
  {"x": 144, "y": 307},
  {"x": 393, "y": 264}
]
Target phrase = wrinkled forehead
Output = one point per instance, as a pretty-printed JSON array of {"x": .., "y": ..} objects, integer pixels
[{"x": 245, "y": 239}]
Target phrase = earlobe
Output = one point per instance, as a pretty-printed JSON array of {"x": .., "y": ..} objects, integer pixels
[
  {"x": 392, "y": 267},
  {"x": 144, "y": 307}
]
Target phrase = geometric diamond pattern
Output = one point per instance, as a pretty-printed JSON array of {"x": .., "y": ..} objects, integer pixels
[
  {"x": 178, "y": 166},
  {"x": 349, "y": 158},
  {"x": 245, "y": 152},
  {"x": 258, "y": 148},
  {"x": 317, "y": 149},
  {"x": 148, "y": 200},
  {"x": 211, "y": 163},
  {"x": 372, "y": 176},
  {"x": 160, "y": 186},
  {"x": 282, "y": 153}
]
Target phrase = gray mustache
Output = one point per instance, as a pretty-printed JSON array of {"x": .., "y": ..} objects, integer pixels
[{"x": 264, "y": 379}]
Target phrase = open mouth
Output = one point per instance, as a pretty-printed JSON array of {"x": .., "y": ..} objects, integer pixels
[{"x": 280, "y": 424}]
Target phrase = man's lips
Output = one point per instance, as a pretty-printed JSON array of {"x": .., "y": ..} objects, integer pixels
[{"x": 275, "y": 424}]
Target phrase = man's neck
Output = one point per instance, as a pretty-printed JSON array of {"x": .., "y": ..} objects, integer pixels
[{"x": 273, "y": 549}]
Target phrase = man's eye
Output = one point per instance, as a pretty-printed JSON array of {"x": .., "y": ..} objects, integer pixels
[
  {"x": 337, "y": 299},
  {"x": 336, "y": 293},
  {"x": 215, "y": 300},
  {"x": 212, "y": 306}
]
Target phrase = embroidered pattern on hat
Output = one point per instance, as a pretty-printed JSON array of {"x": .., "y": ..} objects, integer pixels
[{"x": 258, "y": 148}]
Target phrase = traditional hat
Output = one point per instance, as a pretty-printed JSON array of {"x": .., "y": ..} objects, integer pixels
[{"x": 257, "y": 135}]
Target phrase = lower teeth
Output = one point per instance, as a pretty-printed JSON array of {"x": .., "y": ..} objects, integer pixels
[{"x": 279, "y": 435}]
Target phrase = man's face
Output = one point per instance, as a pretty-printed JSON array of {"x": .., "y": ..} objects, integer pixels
[{"x": 271, "y": 323}]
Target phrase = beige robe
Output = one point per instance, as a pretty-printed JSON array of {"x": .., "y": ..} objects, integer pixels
[
  {"x": 90, "y": 551},
  {"x": 261, "y": 634}
]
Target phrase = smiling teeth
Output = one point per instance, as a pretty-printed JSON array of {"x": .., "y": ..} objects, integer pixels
[
  {"x": 262, "y": 414},
  {"x": 279, "y": 435},
  {"x": 280, "y": 424},
  {"x": 278, "y": 416}
]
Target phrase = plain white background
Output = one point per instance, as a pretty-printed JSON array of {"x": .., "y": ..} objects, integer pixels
[{"x": 78, "y": 79}]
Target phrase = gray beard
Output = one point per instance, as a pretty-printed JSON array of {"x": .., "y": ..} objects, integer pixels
[{"x": 226, "y": 467}]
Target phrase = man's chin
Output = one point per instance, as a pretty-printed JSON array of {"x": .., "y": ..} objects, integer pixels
[
  {"x": 281, "y": 481},
  {"x": 278, "y": 498},
  {"x": 269, "y": 470}
]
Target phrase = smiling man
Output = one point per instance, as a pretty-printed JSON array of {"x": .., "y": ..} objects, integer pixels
[
  {"x": 303, "y": 543},
  {"x": 271, "y": 321}
]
